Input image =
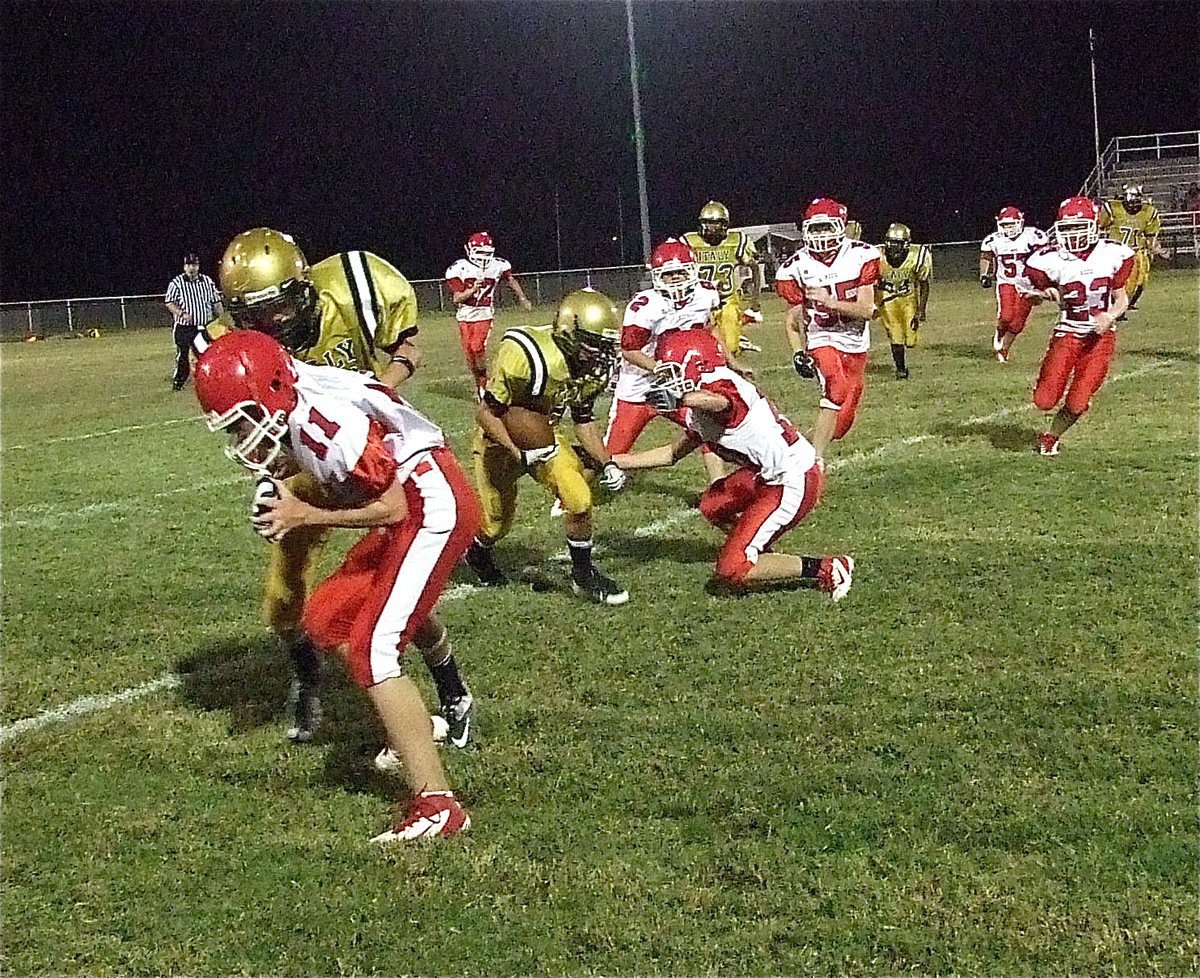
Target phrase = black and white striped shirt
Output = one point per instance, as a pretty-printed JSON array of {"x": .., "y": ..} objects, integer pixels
[{"x": 196, "y": 296}]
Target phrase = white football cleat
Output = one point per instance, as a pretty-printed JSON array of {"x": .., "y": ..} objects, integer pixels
[
  {"x": 836, "y": 576},
  {"x": 997, "y": 342},
  {"x": 387, "y": 761}
]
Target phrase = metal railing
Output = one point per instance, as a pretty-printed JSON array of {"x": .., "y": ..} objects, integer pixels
[{"x": 1140, "y": 149}]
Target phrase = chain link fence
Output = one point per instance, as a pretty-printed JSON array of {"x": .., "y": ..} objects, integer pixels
[{"x": 956, "y": 261}]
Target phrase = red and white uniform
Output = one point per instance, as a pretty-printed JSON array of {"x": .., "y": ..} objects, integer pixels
[
  {"x": 357, "y": 437},
  {"x": 1012, "y": 283},
  {"x": 1086, "y": 283},
  {"x": 777, "y": 482},
  {"x": 648, "y": 317},
  {"x": 838, "y": 343},
  {"x": 476, "y": 315},
  {"x": 466, "y": 274}
]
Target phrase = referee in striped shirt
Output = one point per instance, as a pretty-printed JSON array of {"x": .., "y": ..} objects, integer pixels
[{"x": 194, "y": 302}]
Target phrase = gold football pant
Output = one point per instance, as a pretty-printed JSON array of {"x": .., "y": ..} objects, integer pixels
[
  {"x": 1139, "y": 278},
  {"x": 497, "y": 474},
  {"x": 292, "y": 562},
  {"x": 729, "y": 324},
  {"x": 897, "y": 319}
]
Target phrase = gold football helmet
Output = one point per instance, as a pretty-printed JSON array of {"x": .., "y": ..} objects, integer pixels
[
  {"x": 1132, "y": 197},
  {"x": 587, "y": 328},
  {"x": 896, "y": 242},
  {"x": 266, "y": 284},
  {"x": 714, "y": 222}
]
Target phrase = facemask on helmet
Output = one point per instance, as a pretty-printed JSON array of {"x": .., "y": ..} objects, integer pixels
[
  {"x": 1010, "y": 222},
  {"x": 480, "y": 249},
  {"x": 824, "y": 226},
  {"x": 587, "y": 328},
  {"x": 714, "y": 222},
  {"x": 1076, "y": 229},
  {"x": 265, "y": 281},
  {"x": 896, "y": 243},
  {"x": 674, "y": 272},
  {"x": 1132, "y": 197},
  {"x": 246, "y": 386}
]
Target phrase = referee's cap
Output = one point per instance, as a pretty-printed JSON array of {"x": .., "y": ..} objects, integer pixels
[{"x": 191, "y": 258}]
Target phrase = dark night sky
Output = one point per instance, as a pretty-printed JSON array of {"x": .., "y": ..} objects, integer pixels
[{"x": 132, "y": 131}]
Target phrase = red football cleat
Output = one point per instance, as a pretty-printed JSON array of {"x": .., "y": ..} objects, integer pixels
[
  {"x": 835, "y": 576},
  {"x": 425, "y": 815},
  {"x": 1047, "y": 443}
]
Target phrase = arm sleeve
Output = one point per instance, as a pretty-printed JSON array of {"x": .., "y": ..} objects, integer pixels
[
  {"x": 1122, "y": 277},
  {"x": 173, "y": 292},
  {"x": 1037, "y": 278},
  {"x": 634, "y": 337},
  {"x": 789, "y": 291},
  {"x": 376, "y": 467},
  {"x": 870, "y": 272},
  {"x": 508, "y": 377},
  {"x": 398, "y": 304}
]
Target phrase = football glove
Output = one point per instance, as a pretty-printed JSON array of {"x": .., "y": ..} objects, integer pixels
[
  {"x": 986, "y": 281},
  {"x": 612, "y": 477},
  {"x": 663, "y": 401},
  {"x": 537, "y": 456},
  {"x": 804, "y": 364}
]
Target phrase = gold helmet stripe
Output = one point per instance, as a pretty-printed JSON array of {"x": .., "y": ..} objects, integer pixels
[
  {"x": 539, "y": 371},
  {"x": 362, "y": 289}
]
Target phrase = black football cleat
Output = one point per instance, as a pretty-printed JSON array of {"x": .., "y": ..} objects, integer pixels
[
  {"x": 480, "y": 559},
  {"x": 594, "y": 586}
]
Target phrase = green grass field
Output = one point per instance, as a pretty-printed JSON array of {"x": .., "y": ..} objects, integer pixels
[{"x": 982, "y": 762}]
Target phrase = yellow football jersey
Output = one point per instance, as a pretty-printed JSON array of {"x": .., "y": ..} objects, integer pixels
[
  {"x": 1132, "y": 230},
  {"x": 901, "y": 281},
  {"x": 719, "y": 263},
  {"x": 365, "y": 308},
  {"x": 530, "y": 371}
]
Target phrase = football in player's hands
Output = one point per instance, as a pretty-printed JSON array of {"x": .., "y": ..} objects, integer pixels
[{"x": 264, "y": 489}]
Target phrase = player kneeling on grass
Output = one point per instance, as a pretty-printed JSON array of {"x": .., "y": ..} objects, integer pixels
[
  {"x": 778, "y": 479},
  {"x": 385, "y": 468},
  {"x": 1086, "y": 276},
  {"x": 539, "y": 373}
]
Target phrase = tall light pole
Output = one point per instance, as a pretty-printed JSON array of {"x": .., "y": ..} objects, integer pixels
[
  {"x": 1095, "y": 104},
  {"x": 637, "y": 135},
  {"x": 557, "y": 229},
  {"x": 621, "y": 223}
]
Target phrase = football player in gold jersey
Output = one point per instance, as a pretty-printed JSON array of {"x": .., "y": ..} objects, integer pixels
[
  {"x": 904, "y": 291},
  {"x": 725, "y": 257},
  {"x": 549, "y": 370},
  {"x": 352, "y": 310},
  {"x": 1134, "y": 222}
]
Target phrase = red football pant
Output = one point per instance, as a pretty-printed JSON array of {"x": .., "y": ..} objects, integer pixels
[
  {"x": 842, "y": 376},
  {"x": 626, "y": 421},
  {"x": 755, "y": 515},
  {"x": 1088, "y": 357},
  {"x": 391, "y": 579},
  {"x": 474, "y": 337},
  {"x": 1012, "y": 309}
]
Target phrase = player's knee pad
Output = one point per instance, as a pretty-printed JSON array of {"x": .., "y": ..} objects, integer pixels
[
  {"x": 1045, "y": 397},
  {"x": 1078, "y": 402},
  {"x": 732, "y": 567}
]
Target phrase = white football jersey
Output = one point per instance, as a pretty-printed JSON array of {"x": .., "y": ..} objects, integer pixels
[
  {"x": 1085, "y": 282},
  {"x": 854, "y": 264},
  {"x": 752, "y": 433},
  {"x": 464, "y": 273},
  {"x": 345, "y": 427},
  {"x": 648, "y": 317},
  {"x": 1011, "y": 254}
]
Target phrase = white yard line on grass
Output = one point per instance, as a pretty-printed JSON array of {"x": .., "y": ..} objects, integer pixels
[
  {"x": 101, "y": 434},
  {"x": 92, "y": 704}
]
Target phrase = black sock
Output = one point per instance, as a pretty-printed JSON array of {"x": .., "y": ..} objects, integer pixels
[
  {"x": 581, "y": 557},
  {"x": 307, "y": 661},
  {"x": 450, "y": 686},
  {"x": 898, "y": 355},
  {"x": 810, "y": 567}
]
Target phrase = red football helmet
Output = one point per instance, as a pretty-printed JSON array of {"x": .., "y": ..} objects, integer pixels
[
  {"x": 480, "y": 249},
  {"x": 1076, "y": 229},
  {"x": 684, "y": 356},
  {"x": 673, "y": 259},
  {"x": 246, "y": 384},
  {"x": 1010, "y": 222},
  {"x": 824, "y": 226}
]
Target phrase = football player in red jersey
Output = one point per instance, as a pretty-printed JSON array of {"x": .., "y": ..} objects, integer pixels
[
  {"x": 1002, "y": 257},
  {"x": 1086, "y": 276},
  {"x": 776, "y": 484},
  {"x": 676, "y": 300},
  {"x": 472, "y": 282},
  {"x": 829, "y": 286},
  {"x": 388, "y": 470}
]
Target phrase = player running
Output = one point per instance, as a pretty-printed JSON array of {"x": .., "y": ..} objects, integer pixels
[
  {"x": 728, "y": 260},
  {"x": 1002, "y": 257},
  {"x": 904, "y": 291},
  {"x": 1088, "y": 277}
]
